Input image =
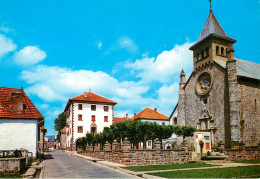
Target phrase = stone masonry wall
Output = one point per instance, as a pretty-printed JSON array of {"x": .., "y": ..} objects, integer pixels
[
  {"x": 12, "y": 165},
  {"x": 215, "y": 101},
  {"x": 249, "y": 92},
  {"x": 142, "y": 157},
  {"x": 238, "y": 154}
]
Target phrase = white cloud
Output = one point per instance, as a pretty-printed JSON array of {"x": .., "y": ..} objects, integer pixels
[
  {"x": 124, "y": 43},
  {"x": 6, "y": 45},
  {"x": 5, "y": 29},
  {"x": 128, "y": 44},
  {"x": 29, "y": 55},
  {"x": 99, "y": 44},
  {"x": 58, "y": 84},
  {"x": 164, "y": 66}
]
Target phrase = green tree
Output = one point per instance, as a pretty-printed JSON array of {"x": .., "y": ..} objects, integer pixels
[
  {"x": 185, "y": 131},
  {"x": 89, "y": 139},
  {"x": 60, "y": 123},
  {"x": 132, "y": 132}
]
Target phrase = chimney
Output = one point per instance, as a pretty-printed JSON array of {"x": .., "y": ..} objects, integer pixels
[
  {"x": 182, "y": 76},
  {"x": 155, "y": 109},
  {"x": 17, "y": 102},
  {"x": 134, "y": 114},
  {"x": 126, "y": 116}
]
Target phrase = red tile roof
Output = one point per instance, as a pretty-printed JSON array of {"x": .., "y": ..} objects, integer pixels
[
  {"x": 50, "y": 144},
  {"x": 121, "y": 119},
  {"x": 150, "y": 114},
  {"x": 90, "y": 97},
  {"x": 43, "y": 129},
  {"x": 63, "y": 130},
  {"x": 30, "y": 112}
]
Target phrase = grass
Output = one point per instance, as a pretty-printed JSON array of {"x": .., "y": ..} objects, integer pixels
[
  {"x": 251, "y": 171},
  {"x": 248, "y": 161},
  {"x": 167, "y": 167},
  {"x": 10, "y": 175}
]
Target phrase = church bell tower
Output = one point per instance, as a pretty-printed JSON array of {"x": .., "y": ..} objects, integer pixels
[{"x": 212, "y": 44}]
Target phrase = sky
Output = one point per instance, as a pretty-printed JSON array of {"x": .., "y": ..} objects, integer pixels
[{"x": 130, "y": 51}]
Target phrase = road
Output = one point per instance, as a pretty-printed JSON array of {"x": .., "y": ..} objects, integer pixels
[{"x": 59, "y": 164}]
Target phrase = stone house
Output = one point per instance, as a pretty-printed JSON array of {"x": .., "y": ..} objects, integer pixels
[
  {"x": 63, "y": 138},
  {"x": 88, "y": 112},
  {"x": 20, "y": 121},
  {"x": 221, "y": 96}
]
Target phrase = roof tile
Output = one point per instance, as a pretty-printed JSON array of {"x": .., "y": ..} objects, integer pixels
[{"x": 148, "y": 113}]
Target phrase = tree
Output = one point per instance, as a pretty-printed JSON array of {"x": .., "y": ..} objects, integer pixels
[
  {"x": 132, "y": 132},
  {"x": 89, "y": 138},
  {"x": 60, "y": 123},
  {"x": 185, "y": 131}
]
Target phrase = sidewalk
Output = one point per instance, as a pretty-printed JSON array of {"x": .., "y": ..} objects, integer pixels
[{"x": 145, "y": 174}]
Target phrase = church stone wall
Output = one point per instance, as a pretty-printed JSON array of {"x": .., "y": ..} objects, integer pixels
[
  {"x": 249, "y": 92},
  {"x": 215, "y": 101}
]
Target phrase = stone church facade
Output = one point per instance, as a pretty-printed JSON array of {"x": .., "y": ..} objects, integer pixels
[{"x": 222, "y": 94}]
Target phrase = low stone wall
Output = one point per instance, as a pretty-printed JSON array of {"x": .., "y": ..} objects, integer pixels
[
  {"x": 142, "y": 157},
  {"x": 132, "y": 157},
  {"x": 239, "y": 154},
  {"x": 12, "y": 165}
]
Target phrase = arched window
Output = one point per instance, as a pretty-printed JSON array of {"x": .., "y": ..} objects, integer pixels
[
  {"x": 222, "y": 51},
  {"x": 198, "y": 57},
  {"x": 202, "y": 54},
  {"x": 217, "y": 49},
  {"x": 207, "y": 52}
]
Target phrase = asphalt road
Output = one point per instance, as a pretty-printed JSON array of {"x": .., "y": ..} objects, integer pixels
[{"x": 59, "y": 164}]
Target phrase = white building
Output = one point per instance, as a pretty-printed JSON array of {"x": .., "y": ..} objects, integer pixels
[
  {"x": 20, "y": 121},
  {"x": 88, "y": 112},
  {"x": 149, "y": 115}
]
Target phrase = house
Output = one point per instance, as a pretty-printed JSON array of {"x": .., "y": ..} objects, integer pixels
[
  {"x": 122, "y": 119},
  {"x": 20, "y": 121},
  {"x": 149, "y": 115},
  {"x": 221, "y": 96},
  {"x": 85, "y": 113}
]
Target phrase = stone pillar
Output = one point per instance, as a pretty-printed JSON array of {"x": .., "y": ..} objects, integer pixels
[
  {"x": 156, "y": 144},
  {"x": 185, "y": 146},
  {"x": 242, "y": 146},
  {"x": 221, "y": 146},
  {"x": 74, "y": 147},
  {"x": 181, "y": 103},
  {"x": 87, "y": 148},
  {"x": 126, "y": 144},
  {"x": 115, "y": 145},
  {"x": 107, "y": 146},
  {"x": 233, "y": 101}
]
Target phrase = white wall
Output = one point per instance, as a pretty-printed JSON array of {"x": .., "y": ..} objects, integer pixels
[
  {"x": 87, "y": 118},
  {"x": 157, "y": 121},
  {"x": 17, "y": 134}
]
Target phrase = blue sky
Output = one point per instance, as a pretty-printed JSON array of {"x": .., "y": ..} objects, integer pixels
[{"x": 130, "y": 51}]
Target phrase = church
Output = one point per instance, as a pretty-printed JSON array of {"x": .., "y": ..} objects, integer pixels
[{"x": 221, "y": 96}]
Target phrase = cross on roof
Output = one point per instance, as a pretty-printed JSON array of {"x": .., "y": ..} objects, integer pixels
[{"x": 210, "y": 3}]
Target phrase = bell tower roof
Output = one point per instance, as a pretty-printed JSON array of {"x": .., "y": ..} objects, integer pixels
[{"x": 211, "y": 27}]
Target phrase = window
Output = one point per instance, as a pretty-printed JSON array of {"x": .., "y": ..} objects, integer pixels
[
  {"x": 149, "y": 143},
  {"x": 217, "y": 49},
  {"x": 202, "y": 54},
  {"x": 207, "y": 51},
  {"x": 222, "y": 51},
  {"x": 105, "y": 118},
  {"x": 80, "y": 106},
  {"x": 93, "y": 118},
  {"x": 175, "y": 121},
  {"x": 106, "y": 108},
  {"x": 93, "y": 107},
  {"x": 80, "y": 117},
  {"x": 80, "y": 129},
  {"x": 206, "y": 137},
  {"x": 163, "y": 123},
  {"x": 198, "y": 57}
]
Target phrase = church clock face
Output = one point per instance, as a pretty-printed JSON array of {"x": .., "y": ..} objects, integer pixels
[{"x": 204, "y": 83}]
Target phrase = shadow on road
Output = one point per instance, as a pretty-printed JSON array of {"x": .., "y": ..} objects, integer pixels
[{"x": 48, "y": 156}]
